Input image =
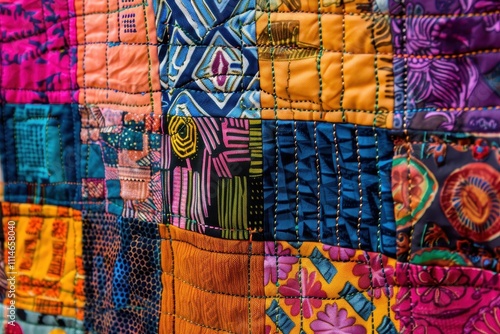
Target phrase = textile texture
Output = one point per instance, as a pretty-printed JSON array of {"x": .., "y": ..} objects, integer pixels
[{"x": 250, "y": 166}]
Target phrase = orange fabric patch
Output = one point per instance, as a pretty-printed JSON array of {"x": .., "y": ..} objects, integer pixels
[
  {"x": 118, "y": 55},
  {"x": 210, "y": 284},
  {"x": 334, "y": 65}
]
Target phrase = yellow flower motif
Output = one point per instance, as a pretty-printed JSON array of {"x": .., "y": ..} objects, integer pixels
[{"x": 183, "y": 136}]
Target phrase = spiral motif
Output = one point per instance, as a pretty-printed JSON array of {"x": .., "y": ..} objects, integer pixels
[{"x": 183, "y": 136}]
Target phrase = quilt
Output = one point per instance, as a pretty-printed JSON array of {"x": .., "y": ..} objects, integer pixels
[{"x": 250, "y": 166}]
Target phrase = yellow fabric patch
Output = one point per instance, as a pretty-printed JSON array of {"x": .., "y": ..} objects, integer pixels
[{"x": 47, "y": 266}]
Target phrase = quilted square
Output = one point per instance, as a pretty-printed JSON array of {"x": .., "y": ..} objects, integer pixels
[
  {"x": 249, "y": 166},
  {"x": 38, "y": 60},
  {"x": 54, "y": 285},
  {"x": 209, "y": 68}
]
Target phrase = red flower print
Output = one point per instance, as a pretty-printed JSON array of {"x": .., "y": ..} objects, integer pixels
[
  {"x": 480, "y": 150},
  {"x": 305, "y": 290},
  {"x": 375, "y": 273}
]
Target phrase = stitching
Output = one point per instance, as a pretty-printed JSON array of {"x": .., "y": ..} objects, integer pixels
[
  {"x": 405, "y": 125},
  {"x": 167, "y": 203},
  {"x": 72, "y": 69},
  {"x": 320, "y": 93},
  {"x": 84, "y": 55},
  {"x": 377, "y": 164},
  {"x": 339, "y": 184},
  {"x": 403, "y": 16},
  {"x": 360, "y": 211},
  {"x": 342, "y": 90},
  {"x": 275, "y": 107},
  {"x": 249, "y": 283},
  {"x": 297, "y": 195},
  {"x": 318, "y": 180},
  {"x": 150, "y": 79},
  {"x": 107, "y": 45},
  {"x": 286, "y": 47}
]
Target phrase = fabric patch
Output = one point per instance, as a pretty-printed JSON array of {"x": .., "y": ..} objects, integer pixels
[
  {"x": 208, "y": 58},
  {"x": 212, "y": 174},
  {"x": 38, "y": 57},
  {"x": 325, "y": 60},
  {"x": 121, "y": 153},
  {"x": 447, "y": 200},
  {"x": 49, "y": 269},
  {"x": 197, "y": 298},
  {"x": 458, "y": 299},
  {"x": 117, "y": 55},
  {"x": 316, "y": 288},
  {"x": 39, "y": 151},
  {"x": 330, "y": 183},
  {"x": 446, "y": 65},
  {"x": 123, "y": 286}
]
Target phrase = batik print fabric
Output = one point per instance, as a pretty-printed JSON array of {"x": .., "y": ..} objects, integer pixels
[
  {"x": 213, "y": 175},
  {"x": 250, "y": 166},
  {"x": 446, "y": 65},
  {"x": 447, "y": 201},
  {"x": 208, "y": 58}
]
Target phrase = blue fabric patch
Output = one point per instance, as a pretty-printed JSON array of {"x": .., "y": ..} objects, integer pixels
[
  {"x": 40, "y": 152},
  {"x": 305, "y": 181},
  {"x": 208, "y": 58}
]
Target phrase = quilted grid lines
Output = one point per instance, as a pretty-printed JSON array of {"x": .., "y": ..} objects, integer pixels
[
  {"x": 103, "y": 29},
  {"x": 309, "y": 72},
  {"x": 346, "y": 218},
  {"x": 208, "y": 59},
  {"x": 449, "y": 71}
]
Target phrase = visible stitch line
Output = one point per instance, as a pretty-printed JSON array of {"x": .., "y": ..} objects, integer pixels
[
  {"x": 151, "y": 98},
  {"x": 318, "y": 59},
  {"x": 71, "y": 69},
  {"x": 360, "y": 211},
  {"x": 320, "y": 94},
  {"x": 405, "y": 125},
  {"x": 377, "y": 164},
  {"x": 297, "y": 232},
  {"x": 107, "y": 46},
  {"x": 84, "y": 57},
  {"x": 339, "y": 184},
  {"x": 404, "y": 16},
  {"x": 276, "y": 151},
  {"x": 249, "y": 285},
  {"x": 342, "y": 90},
  {"x": 318, "y": 180}
]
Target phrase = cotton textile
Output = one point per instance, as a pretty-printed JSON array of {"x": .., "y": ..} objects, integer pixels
[{"x": 250, "y": 166}]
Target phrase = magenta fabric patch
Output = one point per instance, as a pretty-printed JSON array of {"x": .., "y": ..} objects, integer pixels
[{"x": 38, "y": 52}]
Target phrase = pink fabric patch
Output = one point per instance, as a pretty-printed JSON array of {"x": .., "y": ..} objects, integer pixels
[
  {"x": 38, "y": 52},
  {"x": 458, "y": 299}
]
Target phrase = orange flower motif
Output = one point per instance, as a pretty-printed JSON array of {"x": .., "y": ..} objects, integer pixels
[
  {"x": 59, "y": 229},
  {"x": 35, "y": 225}
]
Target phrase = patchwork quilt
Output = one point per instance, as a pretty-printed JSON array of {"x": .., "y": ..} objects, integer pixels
[{"x": 250, "y": 166}]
